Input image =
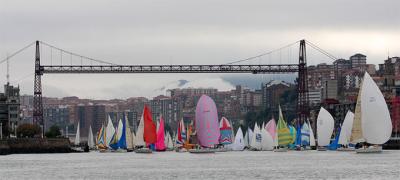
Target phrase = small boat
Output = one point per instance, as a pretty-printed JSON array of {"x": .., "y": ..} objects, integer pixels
[
  {"x": 372, "y": 123},
  {"x": 283, "y": 134},
  {"x": 325, "y": 124},
  {"x": 143, "y": 150},
  {"x": 90, "y": 139},
  {"x": 344, "y": 149},
  {"x": 202, "y": 151},
  {"x": 160, "y": 143},
  {"x": 238, "y": 144},
  {"x": 255, "y": 142},
  {"x": 267, "y": 142},
  {"x": 345, "y": 131}
]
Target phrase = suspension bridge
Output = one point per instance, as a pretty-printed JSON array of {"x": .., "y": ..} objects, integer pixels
[{"x": 104, "y": 67}]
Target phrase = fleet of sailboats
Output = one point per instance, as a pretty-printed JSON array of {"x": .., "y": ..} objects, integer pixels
[{"x": 369, "y": 127}]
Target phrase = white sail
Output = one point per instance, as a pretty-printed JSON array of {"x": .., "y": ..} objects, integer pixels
[
  {"x": 119, "y": 130},
  {"x": 345, "y": 131},
  {"x": 312, "y": 137},
  {"x": 90, "y": 138},
  {"x": 128, "y": 134},
  {"x": 170, "y": 144},
  {"x": 375, "y": 118},
  {"x": 276, "y": 139},
  {"x": 110, "y": 131},
  {"x": 238, "y": 144},
  {"x": 255, "y": 142},
  {"x": 139, "y": 133},
  {"x": 325, "y": 125},
  {"x": 246, "y": 139},
  {"x": 267, "y": 142},
  {"x": 133, "y": 139},
  {"x": 77, "y": 136}
]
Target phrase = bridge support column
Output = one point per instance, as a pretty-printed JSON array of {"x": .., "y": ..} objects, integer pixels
[
  {"x": 303, "y": 110},
  {"x": 37, "y": 92}
]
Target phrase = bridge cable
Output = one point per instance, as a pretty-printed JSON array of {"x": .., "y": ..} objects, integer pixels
[
  {"x": 77, "y": 55},
  {"x": 17, "y": 52},
  {"x": 321, "y": 50},
  {"x": 263, "y": 54}
]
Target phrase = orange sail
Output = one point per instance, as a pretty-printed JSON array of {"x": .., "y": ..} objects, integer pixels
[{"x": 149, "y": 136}]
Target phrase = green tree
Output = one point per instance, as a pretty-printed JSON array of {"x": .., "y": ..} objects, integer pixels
[
  {"x": 28, "y": 130},
  {"x": 53, "y": 132}
]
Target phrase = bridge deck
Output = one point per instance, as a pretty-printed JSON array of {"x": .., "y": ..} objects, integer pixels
[{"x": 255, "y": 69}]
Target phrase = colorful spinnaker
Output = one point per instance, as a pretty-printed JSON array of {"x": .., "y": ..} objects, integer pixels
[
  {"x": 207, "y": 122},
  {"x": 226, "y": 132},
  {"x": 181, "y": 134}
]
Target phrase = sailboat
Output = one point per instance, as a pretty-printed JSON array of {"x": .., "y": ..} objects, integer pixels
[
  {"x": 90, "y": 138},
  {"x": 325, "y": 125},
  {"x": 284, "y": 137},
  {"x": 100, "y": 140},
  {"x": 305, "y": 136},
  {"x": 345, "y": 132},
  {"x": 226, "y": 132},
  {"x": 293, "y": 133},
  {"x": 139, "y": 141},
  {"x": 77, "y": 136},
  {"x": 160, "y": 144},
  {"x": 248, "y": 137},
  {"x": 271, "y": 129},
  {"x": 312, "y": 137},
  {"x": 180, "y": 135},
  {"x": 255, "y": 142},
  {"x": 110, "y": 132},
  {"x": 149, "y": 133},
  {"x": 267, "y": 142},
  {"x": 238, "y": 144},
  {"x": 170, "y": 144},
  {"x": 207, "y": 128},
  {"x": 129, "y": 136},
  {"x": 372, "y": 123},
  {"x": 119, "y": 141}
]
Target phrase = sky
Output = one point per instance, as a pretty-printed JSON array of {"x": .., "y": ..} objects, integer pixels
[{"x": 186, "y": 32}]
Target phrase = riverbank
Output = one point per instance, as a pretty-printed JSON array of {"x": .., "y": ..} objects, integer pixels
[{"x": 34, "y": 145}]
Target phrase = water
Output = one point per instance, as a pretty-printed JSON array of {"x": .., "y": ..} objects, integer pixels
[{"x": 223, "y": 165}]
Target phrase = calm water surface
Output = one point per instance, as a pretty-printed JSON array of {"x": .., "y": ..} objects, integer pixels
[{"x": 224, "y": 165}]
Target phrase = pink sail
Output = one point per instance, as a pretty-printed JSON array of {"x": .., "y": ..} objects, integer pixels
[
  {"x": 271, "y": 128},
  {"x": 207, "y": 126},
  {"x": 160, "y": 145}
]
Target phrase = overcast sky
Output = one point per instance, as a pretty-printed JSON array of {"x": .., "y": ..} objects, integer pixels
[{"x": 186, "y": 32}]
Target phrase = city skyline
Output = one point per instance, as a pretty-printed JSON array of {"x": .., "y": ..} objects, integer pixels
[{"x": 142, "y": 32}]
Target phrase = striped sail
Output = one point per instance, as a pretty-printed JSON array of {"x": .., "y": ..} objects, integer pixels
[
  {"x": 284, "y": 136},
  {"x": 226, "y": 132}
]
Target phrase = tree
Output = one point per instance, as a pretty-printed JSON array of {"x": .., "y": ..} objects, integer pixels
[
  {"x": 28, "y": 130},
  {"x": 53, "y": 132}
]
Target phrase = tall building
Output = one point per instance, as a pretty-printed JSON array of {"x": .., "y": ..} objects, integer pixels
[
  {"x": 358, "y": 60},
  {"x": 272, "y": 92},
  {"x": 10, "y": 108}
]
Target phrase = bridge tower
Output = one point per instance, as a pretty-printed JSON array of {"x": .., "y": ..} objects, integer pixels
[
  {"x": 37, "y": 91},
  {"x": 303, "y": 111}
]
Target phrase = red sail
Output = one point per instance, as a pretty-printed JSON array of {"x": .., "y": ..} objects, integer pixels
[{"x": 149, "y": 135}]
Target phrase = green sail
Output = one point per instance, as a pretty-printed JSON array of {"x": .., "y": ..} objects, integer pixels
[{"x": 284, "y": 136}]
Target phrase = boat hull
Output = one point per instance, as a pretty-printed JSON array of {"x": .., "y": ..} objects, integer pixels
[
  {"x": 281, "y": 150},
  {"x": 345, "y": 149},
  {"x": 369, "y": 150},
  {"x": 201, "y": 151},
  {"x": 144, "y": 151}
]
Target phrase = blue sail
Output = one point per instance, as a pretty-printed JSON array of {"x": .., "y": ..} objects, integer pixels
[
  {"x": 335, "y": 144},
  {"x": 305, "y": 135},
  {"x": 113, "y": 143},
  {"x": 298, "y": 133},
  {"x": 122, "y": 141}
]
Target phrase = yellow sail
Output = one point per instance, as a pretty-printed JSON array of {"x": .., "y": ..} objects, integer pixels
[
  {"x": 356, "y": 132},
  {"x": 284, "y": 136}
]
